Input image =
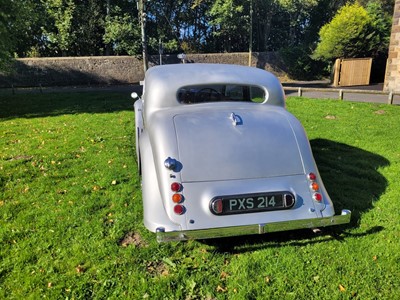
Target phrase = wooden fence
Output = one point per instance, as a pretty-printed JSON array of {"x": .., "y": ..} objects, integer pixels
[{"x": 352, "y": 71}]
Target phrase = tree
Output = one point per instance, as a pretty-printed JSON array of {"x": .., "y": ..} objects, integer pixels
[
  {"x": 230, "y": 21},
  {"x": 353, "y": 32},
  {"x": 122, "y": 30},
  {"x": 87, "y": 25},
  {"x": 266, "y": 14},
  {"x": 6, "y": 43},
  {"x": 181, "y": 25},
  {"x": 299, "y": 16},
  {"x": 59, "y": 32},
  {"x": 20, "y": 22},
  {"x": 380, "y": 27},
  {"x": 385, "y": 5}
]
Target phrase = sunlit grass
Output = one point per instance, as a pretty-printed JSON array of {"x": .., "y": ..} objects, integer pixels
[{"x": 71, "y": 214}]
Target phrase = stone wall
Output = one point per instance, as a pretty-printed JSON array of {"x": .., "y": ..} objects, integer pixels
[
  {"x": 392, "y": 77},
  {"x": 115, "y": 70}
]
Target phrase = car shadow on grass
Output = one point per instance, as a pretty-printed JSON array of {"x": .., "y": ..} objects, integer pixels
[
  {"x": 295, "y": 238},
  {"x": 351, "y": 175},
  {"x": 352, "y": 178}
]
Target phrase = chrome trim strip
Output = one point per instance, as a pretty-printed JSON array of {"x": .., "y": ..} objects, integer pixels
[{"x": 344, "y": 218}]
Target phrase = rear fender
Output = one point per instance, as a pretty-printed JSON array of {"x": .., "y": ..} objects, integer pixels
[
  {"x": 138, "y": 127},
  {"x": 154, "y": 213}
]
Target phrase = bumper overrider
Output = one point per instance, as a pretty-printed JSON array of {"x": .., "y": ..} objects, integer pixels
[{"x": 162, "y": 236}]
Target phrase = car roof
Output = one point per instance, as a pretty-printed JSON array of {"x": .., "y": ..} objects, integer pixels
[{"x": 163, "y": 82}]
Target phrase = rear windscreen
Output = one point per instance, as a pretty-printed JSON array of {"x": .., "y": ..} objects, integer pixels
[{"x": 220, "y": 92}]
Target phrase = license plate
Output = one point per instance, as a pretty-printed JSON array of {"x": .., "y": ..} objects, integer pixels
[{"x": 250, "y": 203}]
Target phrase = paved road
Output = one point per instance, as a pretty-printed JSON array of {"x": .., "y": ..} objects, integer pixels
[{"x": 373, "y": 98}]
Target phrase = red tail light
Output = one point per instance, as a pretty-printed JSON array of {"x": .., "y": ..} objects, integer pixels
[
  {"x": 317, "y": 197},
  {"x": 179, "y": 209},
  {"x": 176, "y": 187},
  {"x": 314, "y": 187},
  {"x": 312, "y": 176},
  {"x": 177, "y": 198}
]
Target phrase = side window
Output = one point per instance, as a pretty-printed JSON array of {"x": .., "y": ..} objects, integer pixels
[
  {"x": 257, "y": 94},
  {"x": 219, "y": 93}
]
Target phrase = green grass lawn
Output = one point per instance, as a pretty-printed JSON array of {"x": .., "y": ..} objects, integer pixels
[{"x": 71, "y": 214}]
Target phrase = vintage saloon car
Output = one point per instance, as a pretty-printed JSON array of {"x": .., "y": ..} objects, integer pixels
[{"x": 221, "y": 156}]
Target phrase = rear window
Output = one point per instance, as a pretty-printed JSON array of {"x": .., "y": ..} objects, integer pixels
[{"x": 219, "y": 93}]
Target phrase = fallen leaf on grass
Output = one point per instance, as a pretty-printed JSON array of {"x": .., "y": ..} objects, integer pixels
[
  {"x": 342, "y": 288},
  {"x": 224, "y": 275},
  {"x": 221, "y": 289},
  {"x": 79, "y": 269},
  {"x": 330, "y": 117}
]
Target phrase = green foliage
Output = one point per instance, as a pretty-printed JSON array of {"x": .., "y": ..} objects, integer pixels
[
  {"x": 122, "y": 32},
  {"x": 231, "y": 21},
  {"x": 299, "y": 13},
  {"x": 71, "y": 210},
  {"x": 354, "y": 32},
  {"x": 181, "y": 25},
  {"x": 19, "y": 23},
  {"x": 300, "y": 64},
  {"x": 61, "y": 13},
  {"x": 96, "y": 27},
  {"x": 342, "y": 36},
  {"x": 378, "y": 41},
  {"x": 88, "y": 27},
  {"x": 386, "y": 5},
  {"x": 5, "y": 37}
]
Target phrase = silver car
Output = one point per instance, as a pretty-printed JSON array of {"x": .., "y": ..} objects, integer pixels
[{"x": 220, "y": 156}]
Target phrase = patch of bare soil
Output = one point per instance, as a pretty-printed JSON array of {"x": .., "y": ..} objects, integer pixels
[
  {"x": 133, "y": 238},
  {"x": 380, "y": 112}
]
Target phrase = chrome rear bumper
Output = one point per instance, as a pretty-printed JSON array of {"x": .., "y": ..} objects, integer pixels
[{"x": 344, "y": 218}]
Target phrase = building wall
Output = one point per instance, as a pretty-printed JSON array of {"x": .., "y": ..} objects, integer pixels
[
  {"x": 115, "y": 70},
  {"x": 392, "y": 77}
]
